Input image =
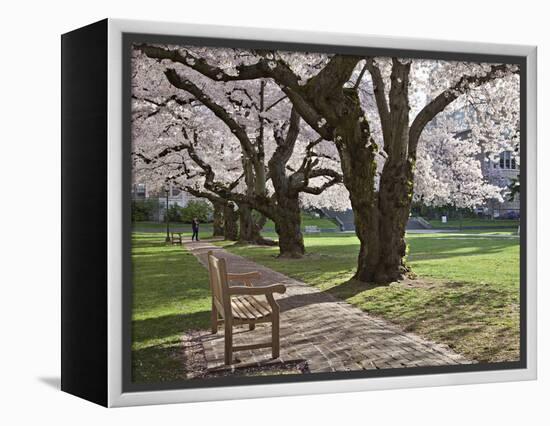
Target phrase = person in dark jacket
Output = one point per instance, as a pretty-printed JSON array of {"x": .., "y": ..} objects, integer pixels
[{"x": 195, "y": 226}]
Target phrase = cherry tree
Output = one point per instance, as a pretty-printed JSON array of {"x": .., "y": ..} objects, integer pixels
[
  {"x": 259, "y": 117},
  {"x": 157, "y": 137},
  {"x": 325, "y": 90}
]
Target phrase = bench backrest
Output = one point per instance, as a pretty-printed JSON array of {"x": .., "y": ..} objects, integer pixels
[
  {"x": 311, "y": 228},
  {"x": 218, "y": 284}
]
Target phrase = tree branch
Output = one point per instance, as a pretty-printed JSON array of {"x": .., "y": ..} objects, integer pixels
[
  {"x": 336, "y": 179},
  {"x": 360, "y": 76},
  {"x": 174, "y": 79},
  {"x": 282, "y": 98},
  {"x": 334, "y": 74},
  {"x": 379, "y": 93},
  {"x": 165, "y": 152},
  {"x": 224, "y": 191},
  {"x": 285, "y": 146},
  {"x": 245, "y": 72}
]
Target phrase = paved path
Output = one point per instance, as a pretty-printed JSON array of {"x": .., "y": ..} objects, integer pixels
[{"x": 329, "y": 333}]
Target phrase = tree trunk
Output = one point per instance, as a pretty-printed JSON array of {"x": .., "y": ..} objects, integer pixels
[
  {"x": 380, "y": 221},
  {"x": 288, "y": 227},
  {"x": 380, "y": 215},
  {"x": 395, "y": 192},
  {"x": 230, "y": 227},
  {"x": 249, "y": 231},
  {"x": 394, "y": 203},
  {"x": 359, "y": 171},
  {"x": 218, "y": 220}
]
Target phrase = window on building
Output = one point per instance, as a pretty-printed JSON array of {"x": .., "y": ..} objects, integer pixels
[
  {"x": 140, "y": 189},
  {"x": 175, "y": 192},
  {"x": 506, "y": 160}
]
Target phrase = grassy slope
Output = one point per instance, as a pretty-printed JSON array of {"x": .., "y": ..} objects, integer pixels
[
  {"x": 455, "y": 223},
  {"x": 171, "y": 295},
  {"x": 308, "y": 220},
  {"x": 205, "y": 228},
  {"x": 467, "y": 295}
]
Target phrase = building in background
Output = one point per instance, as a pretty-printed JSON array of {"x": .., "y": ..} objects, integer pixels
[
  {"x": 502, "y": 173},
  {"x": 141, "y": 193}
]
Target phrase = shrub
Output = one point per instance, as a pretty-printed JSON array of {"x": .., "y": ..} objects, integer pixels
[
  {"x": 175, "y": 213},
  {"x": 199, "y": 209},
  {"x": 143, "y": 210}
]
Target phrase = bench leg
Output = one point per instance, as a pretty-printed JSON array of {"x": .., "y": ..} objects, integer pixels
[
  {"x": 228, "y": 340},
  {"x": 251, "y": 326},
  {"x": 275, "y": 337},
  {"x": 214, "y": 319}
]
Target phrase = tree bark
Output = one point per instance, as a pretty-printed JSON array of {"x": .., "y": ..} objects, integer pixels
[
  {"x": 357, "y": 156},
  {"x": 383, "y": 245},
  {"x": 287, "y": 225},
  {"x": 230, "y": 226},
  {"x": 249, "y": 229},
  {"x": 218, "y": 220},
  {"x": 387, "y": 264}
]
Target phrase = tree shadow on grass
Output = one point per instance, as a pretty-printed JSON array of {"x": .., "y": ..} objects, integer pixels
[
  {"x": 159, "y": 357},
  {"x": 427, "y": 249},
  {"x": 163, "y": 327},
  {"x": 157, "y": 364},
  {"x": 338, "y": 293},
  {"x": 350, "y": 288}
]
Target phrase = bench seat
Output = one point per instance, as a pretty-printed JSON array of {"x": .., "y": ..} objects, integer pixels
[{"x": 250, "y": 308}]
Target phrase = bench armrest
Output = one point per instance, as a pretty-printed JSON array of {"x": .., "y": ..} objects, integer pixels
[
  {"x": 244, "y": 276},
  {"x": 254, "y": 291}
]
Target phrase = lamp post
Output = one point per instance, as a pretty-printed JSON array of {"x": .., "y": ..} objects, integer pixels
[{"x": 167, "y": 191}]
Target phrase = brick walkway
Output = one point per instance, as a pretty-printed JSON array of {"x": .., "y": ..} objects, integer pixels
[{"x": 330, "y": 334}]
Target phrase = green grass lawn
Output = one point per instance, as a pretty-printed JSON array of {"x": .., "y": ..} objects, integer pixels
[
  {"x": 485, "y": 223},
  {"x": 466, "y": 294},
  {"x": 171, "y": 295}
]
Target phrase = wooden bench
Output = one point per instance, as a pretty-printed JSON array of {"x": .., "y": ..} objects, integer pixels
[
  {"x": 242, "y": 304},
  {"x": 176, "y": 238},
  {"x": 313, "y": 229}
]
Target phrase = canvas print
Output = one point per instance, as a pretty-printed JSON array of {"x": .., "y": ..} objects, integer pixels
[{"x": 314, "y": 214}]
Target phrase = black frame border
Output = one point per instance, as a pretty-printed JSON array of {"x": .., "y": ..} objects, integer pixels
[
  {"x": 84, "y": 275},
  {"x": 128, "y": 39}
]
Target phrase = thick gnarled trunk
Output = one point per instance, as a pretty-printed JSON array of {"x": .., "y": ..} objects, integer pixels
[
  {"x": 381, "y": 214},
  {"x": 396, "y": 192},
  {"x": 380, "y": 218},
  {"x": 218, "y": 220},
  {"x": 357, "y": 155},
  {"x": 287, "y": 225},
  {"x": 394, "y": 202},
  {"x": 249, "y": 229},
  {"x": 230, "y": 223}
]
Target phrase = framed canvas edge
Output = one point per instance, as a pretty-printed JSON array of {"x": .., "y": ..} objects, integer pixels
[{"x": 116, "y": 396}]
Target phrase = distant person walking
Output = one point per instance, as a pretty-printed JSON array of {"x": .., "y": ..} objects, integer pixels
[{"x": 195, "y": 226}]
